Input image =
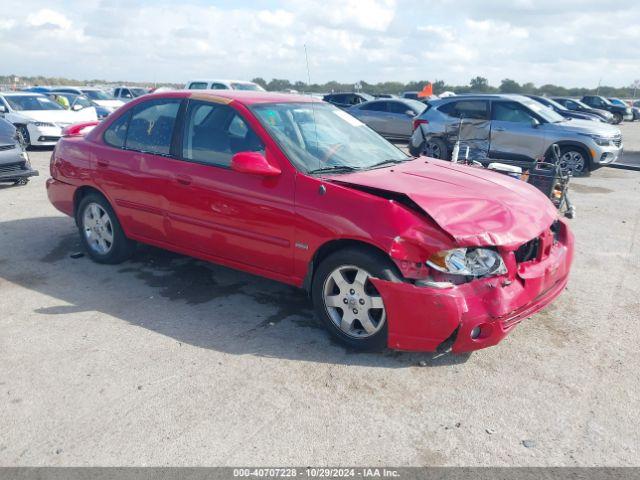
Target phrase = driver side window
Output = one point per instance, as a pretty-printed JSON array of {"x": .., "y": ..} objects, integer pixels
[
  {"x": 511, "y": 112},
  {"x": 213, "y": 133}
]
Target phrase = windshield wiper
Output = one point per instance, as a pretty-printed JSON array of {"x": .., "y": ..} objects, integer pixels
[
  {"x": 391, "y": 161},
  {"x": 334, "y": 169}
]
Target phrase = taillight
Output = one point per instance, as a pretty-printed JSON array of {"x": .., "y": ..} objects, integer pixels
[
  {"x": 419, "y": 121},
  {"x": 78, "y": 129}
]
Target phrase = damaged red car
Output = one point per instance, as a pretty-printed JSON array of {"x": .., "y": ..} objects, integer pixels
[{"x": 409, "y": 253}]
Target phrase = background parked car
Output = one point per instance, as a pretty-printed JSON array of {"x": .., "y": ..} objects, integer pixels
[
  {"x": 78, "y": 102},
  {"x": 347, "y": 100},
  {"x": 126, "y": 94},
  {"x": 513, "y": 128},
  {"x": 564, "y": 111},
  {"x": 390, "y": 118},
  {"x": 634, "y": 110},
  {"x": 97, "y": 96},
  {"x": 217, "y": 84},
  {"x": 38, "y": 119},
  {"x": 578, "y": 106},
  {"x": 14, "y": 161},
  {"x": 619, "y": 112},
  {"x": 410, "y": 95}
]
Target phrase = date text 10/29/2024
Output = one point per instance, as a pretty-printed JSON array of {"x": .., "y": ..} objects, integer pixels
[{"x": 316, "y": 472}]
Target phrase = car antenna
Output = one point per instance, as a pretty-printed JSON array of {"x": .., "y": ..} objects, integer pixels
[{"x": 313, "y": 110}]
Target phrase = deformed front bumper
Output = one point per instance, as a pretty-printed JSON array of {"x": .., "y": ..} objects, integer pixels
[{"x": 477, "y": 314}]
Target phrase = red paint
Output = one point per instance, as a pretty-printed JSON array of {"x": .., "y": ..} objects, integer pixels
[{"x": 251, "y": 217}]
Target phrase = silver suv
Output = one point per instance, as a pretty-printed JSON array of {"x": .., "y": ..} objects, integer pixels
[{"x": 515, "y": 128}]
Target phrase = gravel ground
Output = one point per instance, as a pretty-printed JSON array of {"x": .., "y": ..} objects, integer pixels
[{"x": 165, "y": 360}]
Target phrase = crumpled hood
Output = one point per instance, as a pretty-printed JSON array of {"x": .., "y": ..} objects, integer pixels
[{"x": 475, "y": 206}]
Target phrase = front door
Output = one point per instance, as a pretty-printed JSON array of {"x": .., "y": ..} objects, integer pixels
[
  {"x": 515, "y": 133},
  {"x": 220, "y": 212}
]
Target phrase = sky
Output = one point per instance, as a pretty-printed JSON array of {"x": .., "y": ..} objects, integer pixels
[{"x": 565, "y": 42}]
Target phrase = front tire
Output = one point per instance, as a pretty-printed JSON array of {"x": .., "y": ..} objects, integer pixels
[
  {"x": 575, "y": 160},
  {"x": 346, "y": 300},
  {"x": 100, "y": 231},
  {"x": 617, "y": 118}
]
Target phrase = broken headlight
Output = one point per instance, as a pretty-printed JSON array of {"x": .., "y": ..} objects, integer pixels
[{"x": 474, "y": 262}]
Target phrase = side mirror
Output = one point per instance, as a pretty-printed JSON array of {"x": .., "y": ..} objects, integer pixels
[
  {"x": 76, "y": 107},
  {"x": 410, "y": 113},
  {"x": 253, "y": 163},
  {"x": 535, "y": 123}
]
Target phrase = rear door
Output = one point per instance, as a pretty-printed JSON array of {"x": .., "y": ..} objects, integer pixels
[
  {"x": 235, "y": 216},
  {"x": 374, "y": 114},
  {"x": 514, "y": 134},
  {"x": 133, "y": 166}
]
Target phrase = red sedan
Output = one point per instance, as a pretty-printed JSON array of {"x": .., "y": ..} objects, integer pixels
[{"x": 409, "y": 253}]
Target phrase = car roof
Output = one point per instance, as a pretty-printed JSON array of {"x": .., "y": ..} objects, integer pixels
[
  {"x": 246, "y": 97},
  {"x": 221, "y": 80}
]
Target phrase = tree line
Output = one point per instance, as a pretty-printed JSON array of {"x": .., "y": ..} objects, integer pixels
[{"x": 476, "y": 85}]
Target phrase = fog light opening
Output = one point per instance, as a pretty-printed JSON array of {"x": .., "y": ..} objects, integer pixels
[{"x": 475, "y": 333}]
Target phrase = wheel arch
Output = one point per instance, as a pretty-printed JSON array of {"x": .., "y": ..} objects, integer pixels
[
  {"x": 332, "y": 246},
  {"x": 82, "y": 192},
  {"x": 571, "y": 143}
]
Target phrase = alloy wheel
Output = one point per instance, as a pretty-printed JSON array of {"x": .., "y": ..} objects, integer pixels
[
  {"x": 353, "y": 303},
  {"x": 573, "y": 161},
  {"x": 432, "y": 149},
  {"x": 97, "y": 228}
]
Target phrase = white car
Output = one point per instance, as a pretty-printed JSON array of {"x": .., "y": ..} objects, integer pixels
[
  {"x": 38, "y": 119},
  {"x": 222, "y": 85},
  {"x": 126, "y": 94},
  {"x": 96, "y": 95}
]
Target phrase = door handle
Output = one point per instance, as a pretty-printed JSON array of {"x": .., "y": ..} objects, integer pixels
[
  {"x": 499, "y": 129},
  {"x": 102, "y": 162},
  {"x": 183, "y": 179}
]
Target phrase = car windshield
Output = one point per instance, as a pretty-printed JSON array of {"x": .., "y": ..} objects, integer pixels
[
  {"x": 137, "y": 92},
  {"x": 31, "y": 102},
  {"x": 97, "y": 95},
  {"x": 545, "y": 112},
  {"x": 581, "y": 104},
  {"x": 247, "y": 86},
  {"x": 367, "y": 97},
  {"x": 617, "y": 101},
  {"x": 555, "y": 104},
  {"x": 319, "y": 136}
]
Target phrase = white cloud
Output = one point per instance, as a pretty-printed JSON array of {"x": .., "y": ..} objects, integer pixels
[
  {"x": 347, "y": 40},
  {"x": 46, "y": 17}
]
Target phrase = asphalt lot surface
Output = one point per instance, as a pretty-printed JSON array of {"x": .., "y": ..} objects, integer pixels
[
  {"x": 631, "y": 139},
  {"x": 165, "y": 360}
]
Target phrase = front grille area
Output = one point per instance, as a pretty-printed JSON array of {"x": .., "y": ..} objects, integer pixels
[
  {"x": 7, "y": 147},
  {"x": 11, "y": 167},
  {"x": 528, "y": 251}
]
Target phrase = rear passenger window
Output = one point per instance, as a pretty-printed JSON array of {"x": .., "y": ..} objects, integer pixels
[
  {"x": 473, "y": 109},
  {"x": 375, "y": 107},
  {"x": 219, "y": 86},
  {"x": 151, "y": 126},
  {"x": 198, "y": 86},
  {"x": 116, "y": 134},
  {"x": 213, "y": 133}
]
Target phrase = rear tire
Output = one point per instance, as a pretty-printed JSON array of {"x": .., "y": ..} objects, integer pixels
[
  {"x": 617, "y": 118},
  {"x": 346, "y": 300},
  {"x": 100, "y": 231},
  {"x": 435, "y": 148}
]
